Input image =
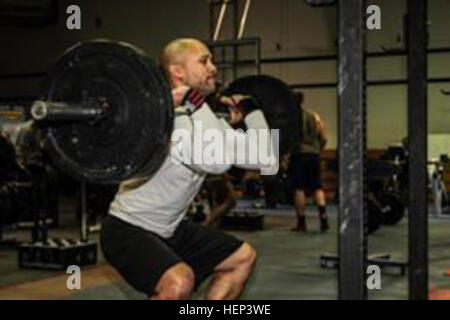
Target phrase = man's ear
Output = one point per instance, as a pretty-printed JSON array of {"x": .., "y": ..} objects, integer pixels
[{"x": 176, "y": 72}]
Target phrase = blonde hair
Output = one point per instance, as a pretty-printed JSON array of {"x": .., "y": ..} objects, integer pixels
[{"x": 173, "y": 51}]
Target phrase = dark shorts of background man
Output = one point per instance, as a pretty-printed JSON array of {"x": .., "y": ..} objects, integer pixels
[{"x": 304, "y": 172}]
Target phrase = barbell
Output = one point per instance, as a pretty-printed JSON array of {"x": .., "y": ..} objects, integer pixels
[{"x": 106, "y": 111}]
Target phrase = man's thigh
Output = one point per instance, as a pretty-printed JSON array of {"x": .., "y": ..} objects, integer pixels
[
  {"x": 138, "y": 255},
  {"x": 203, "y": 248}
]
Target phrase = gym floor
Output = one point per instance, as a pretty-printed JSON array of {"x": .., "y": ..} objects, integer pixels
[{"x": 288, "y": 266}]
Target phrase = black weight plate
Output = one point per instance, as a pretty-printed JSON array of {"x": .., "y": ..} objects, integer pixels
[
  {"x": 394, "y": 209},
  {"x": 278, "y": 103},
  {"x": 374, "y": 217},
  {"x": 136, "y": 130}
]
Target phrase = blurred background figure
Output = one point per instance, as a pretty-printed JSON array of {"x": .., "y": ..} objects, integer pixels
[{"x": 304, "y": 167}]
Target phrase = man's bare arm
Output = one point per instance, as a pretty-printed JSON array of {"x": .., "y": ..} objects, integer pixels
[{"x": 321, "y": 131}]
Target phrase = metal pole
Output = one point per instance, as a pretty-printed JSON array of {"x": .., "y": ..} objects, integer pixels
[
  {"x": 417, "y": 141},
  {"x": 235, "y": 36},
  {"x": 223, "y": 10},
  {"x": 244, "y": 19},
  {"x": 351, "y": 92}
]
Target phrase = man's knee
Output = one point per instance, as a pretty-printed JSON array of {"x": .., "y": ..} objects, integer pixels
[
  {"x": 246, "y": 262},
  {"x": 177, "y": 283},
  {"x": 247, "y": 257}
]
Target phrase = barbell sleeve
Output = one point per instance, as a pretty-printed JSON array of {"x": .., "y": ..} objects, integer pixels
[{"x": 61, "y": 111}]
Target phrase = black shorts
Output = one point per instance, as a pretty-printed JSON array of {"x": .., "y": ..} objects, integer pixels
[
  {"x": 142, "y": 257},
  {"x": 304, "y": 172}
]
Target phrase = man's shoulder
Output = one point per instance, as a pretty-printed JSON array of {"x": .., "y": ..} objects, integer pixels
[{"x": 313, "y": 114}]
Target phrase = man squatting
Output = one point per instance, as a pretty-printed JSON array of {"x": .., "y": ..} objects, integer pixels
[{"x": 144, "y": 236}]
